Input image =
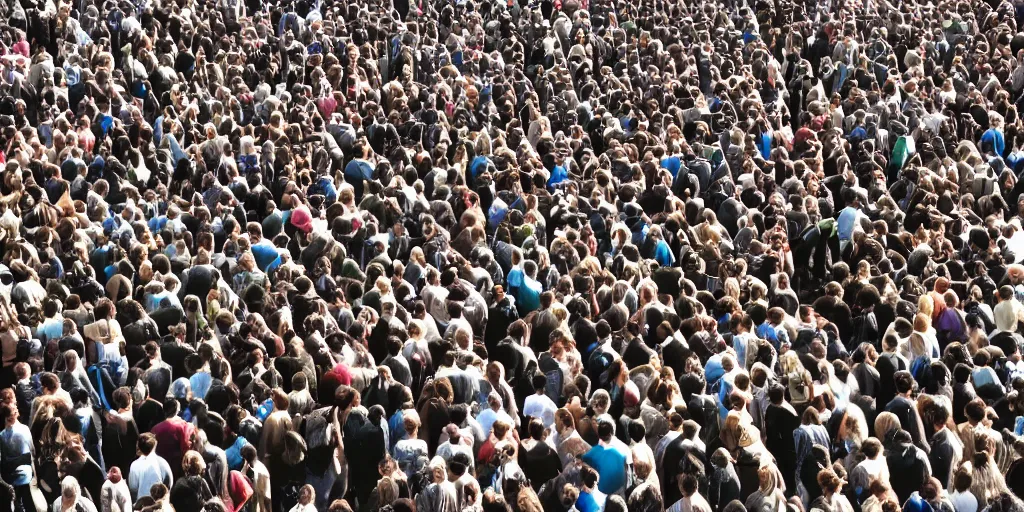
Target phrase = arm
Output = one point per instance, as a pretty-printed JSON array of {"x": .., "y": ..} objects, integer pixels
[
  {"x": 204, "y": 491},
  {"x": 168, "y": 477},
  {"x": 133, "y": 484}
]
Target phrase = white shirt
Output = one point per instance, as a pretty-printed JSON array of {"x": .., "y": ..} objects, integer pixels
[
  {"x": 115, "y": 497},
  {"x": 540, "y": 406}
]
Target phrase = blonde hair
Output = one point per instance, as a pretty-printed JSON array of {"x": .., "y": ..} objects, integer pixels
[
  {"x": 193, "y": 464},
  {"x": 923, "y": 321},
  {"x": 925, "y": 306},
  {"x": 885, "y": 422},
  {"x": 790, "y": 362},
  {"x": 732, "y": 288}
]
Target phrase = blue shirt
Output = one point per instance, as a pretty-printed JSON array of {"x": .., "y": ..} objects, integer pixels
[
  {"x": 146, "y": 471},
  {"x": 995, "y": 138},
  {"x": 16, "y": 441},
  {"x": 768, "y": 333},
  {"x": 985, "y": 376},
  {"x": 514, "y": 279},
  {"x": 153, "y": 300},
  {"x": 764, "y": 145},
  {"x": 397, "y": 428},
  {"x": 610, "y": 464},
  {"x": 266, "y": 256},
  {"x": 713, "y": 369},
  {"x": 478, "y": 166},
  {"x": 590, "y": 502},
  {"x": 663, "y": 254},
  {"x": 200, "y": 383},
  {"x": 51, "y": 329},
  {"x": 739, "y": 343},
  {"x": 672, "y": 163},
  {"x": 528, "y": 296},
  {"x": 234, "y": 453},
  {"x": 847, "y": 222},
  {"x": 558, "y": 175}
]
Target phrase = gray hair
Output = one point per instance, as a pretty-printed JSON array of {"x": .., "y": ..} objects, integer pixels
[{"x": 69, "y": 488}]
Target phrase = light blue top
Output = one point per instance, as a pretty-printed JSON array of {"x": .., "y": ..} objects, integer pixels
[
  {"x": 146, "y": 471},
  {"x": 16, "y": 441},
  {"x": 847, "y": 222}
]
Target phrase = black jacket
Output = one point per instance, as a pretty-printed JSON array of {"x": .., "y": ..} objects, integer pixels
[
  {"x": 723, "y": 487},
  {"x": 962, "y": 395},
  {"x": 908, "y": 470},
  {"x": 946, "y": 453},
  {"x": 906, "y": 410},
  {"x": 540, "y": 464},
  {"x": 887, "y": 366},
  {"x": 190, "y": 493}
]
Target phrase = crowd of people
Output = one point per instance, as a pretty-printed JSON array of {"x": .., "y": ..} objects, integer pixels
[{"x": 512, "y": 255}]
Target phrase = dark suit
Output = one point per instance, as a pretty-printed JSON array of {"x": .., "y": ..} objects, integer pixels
[
  {"x": 906, "y": 410},
  {"x": 887, "y": 366},
  {"x": 540, "y": 464},
  {"x": 946, "y": 454},
  {"x": 962, "y": 395},
  {"x": 672, "y": 460},
  {"x": 25, "y": 393},
  {"x": 779, "y": 424}
]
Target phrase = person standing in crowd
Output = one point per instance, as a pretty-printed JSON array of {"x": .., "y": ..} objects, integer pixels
[{"x": 149, "y": 469}]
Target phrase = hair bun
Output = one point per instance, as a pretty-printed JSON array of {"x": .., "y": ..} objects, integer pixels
[{"x": 981, "y": 458}]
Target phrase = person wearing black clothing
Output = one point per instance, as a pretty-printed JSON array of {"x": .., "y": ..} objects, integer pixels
[
  {"x": 908, "y": 466},
  {"x": 82, "y": 466},
  {"x": 366, "y": 445},
  {"x": 889, "y": 362},
  {"x": 434, "y": 413},
  {"x": 24, "y": 392},
  {"x": 946, "y": 448},
  {"x": 120, "y": 433},
  {"x": 149, "y": 413},
  {"x": 540, "y": 462},
  {"x": 675, "y": 351},
  {"x": 963, "y": 392},
  {"x": 191, "y": 491},
  {"x": 678, "y": 451},
  {"x": 637, "y": 353},
  {"x": 400, "y": 369},
  {"x": 780, "y": 420},
  {"x": 500, "y": 315},
  {"x": 513, "y": 353},
  {"x": 1015, "y": 474},
  {"x": 905, "y": 408},
  {"x": 544, "y": 323},
  {"x": 71, "y": 339},
  {"x": 817, "y": 460},
  {"x": 174, "y": 350},
  {"x": 723, "y": 483}
]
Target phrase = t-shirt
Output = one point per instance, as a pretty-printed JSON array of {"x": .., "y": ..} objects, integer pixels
[
  {"x": 847, "y": 222},
  {"x": 610, "y": 464},
  {"x": 234, "y": 453},
  {"x": 541, "y": 407},
  {"x": 591, "y": 501},
  {"x": 963, "y": 501},
  {"x": 173, "y": 437}
]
